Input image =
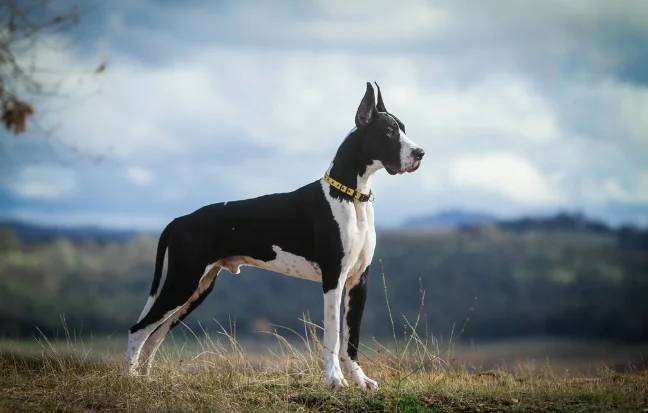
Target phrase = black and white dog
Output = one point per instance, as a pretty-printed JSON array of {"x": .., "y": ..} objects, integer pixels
[{"x": 323, "y": 231}]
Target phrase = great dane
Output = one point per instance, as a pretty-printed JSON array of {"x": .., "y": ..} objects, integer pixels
[{"x": 323, "y": 231}]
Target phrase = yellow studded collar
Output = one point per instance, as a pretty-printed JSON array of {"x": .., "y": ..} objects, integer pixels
[{"x": 348, "y": 191}]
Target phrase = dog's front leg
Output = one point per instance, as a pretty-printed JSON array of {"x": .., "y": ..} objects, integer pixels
[
  {"x": 331, "y": 345},
  {"x": 354, "y": 303}
]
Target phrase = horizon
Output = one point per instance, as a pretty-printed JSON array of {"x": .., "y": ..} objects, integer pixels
[{"x": 405, "y": 225}]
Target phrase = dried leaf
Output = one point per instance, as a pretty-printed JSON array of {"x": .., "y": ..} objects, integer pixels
[{"x": 14, "y": 116}]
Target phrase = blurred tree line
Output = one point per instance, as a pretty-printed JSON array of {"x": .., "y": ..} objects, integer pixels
[{"x": 509, "y": 280}]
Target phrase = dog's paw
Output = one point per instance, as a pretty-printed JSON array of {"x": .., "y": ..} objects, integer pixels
[
  {"x": 132, "y": 369},
  {"x": 335, "y": 378},
  {"x": 368, "y": 383},
  {"x": 359, "y": 377},
  {"x": 363, "y": 381},
  {"x": 337, "y": 383}
]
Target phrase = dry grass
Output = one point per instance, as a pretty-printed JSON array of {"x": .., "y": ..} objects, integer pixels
[
  {"x": 217, "y": 375},
  {"x": 221, "y": 377}
]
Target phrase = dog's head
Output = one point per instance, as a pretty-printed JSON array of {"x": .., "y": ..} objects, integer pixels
[{"x": 383, "y": 136}]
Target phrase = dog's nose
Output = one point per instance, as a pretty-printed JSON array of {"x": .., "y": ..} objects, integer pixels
[{"x": 418, "y": 153}]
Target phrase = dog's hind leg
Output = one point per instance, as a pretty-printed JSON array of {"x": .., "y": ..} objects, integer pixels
[
  {"x": 181, "y": 287},
  {"x": 205, "y": 286},
  {"x": 354, "y": 303},
  {"x": 137, "y": 336}
]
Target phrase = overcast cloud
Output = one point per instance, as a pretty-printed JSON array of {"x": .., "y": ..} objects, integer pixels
[{"x": 521, "y": 106}]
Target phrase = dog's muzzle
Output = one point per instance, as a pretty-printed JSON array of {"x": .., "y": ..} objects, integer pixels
[{"x": 416, "y": 156}]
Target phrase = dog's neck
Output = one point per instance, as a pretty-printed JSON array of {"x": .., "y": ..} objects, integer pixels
[{"x": 351, "y": 167}]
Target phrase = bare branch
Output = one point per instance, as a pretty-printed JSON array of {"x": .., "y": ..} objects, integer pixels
[{"x": 27, "y": 29}]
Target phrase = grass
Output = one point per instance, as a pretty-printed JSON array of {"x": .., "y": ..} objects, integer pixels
[
  {"x": 222, "y": 377},
  {"x": 216, "y": 374}
]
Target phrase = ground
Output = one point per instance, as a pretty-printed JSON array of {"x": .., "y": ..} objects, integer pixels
[{"x": 215, "y": 376}]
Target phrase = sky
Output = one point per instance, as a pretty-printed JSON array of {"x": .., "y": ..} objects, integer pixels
[{"x": 522, "y": 107}]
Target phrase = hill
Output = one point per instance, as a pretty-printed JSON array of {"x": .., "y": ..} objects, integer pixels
[
  {"x": 510, "y": 282},
  {"x": 450, "y": 219},
  {"x": 34, "y": 233}
]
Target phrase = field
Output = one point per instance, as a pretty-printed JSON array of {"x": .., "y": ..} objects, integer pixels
[
  {"x": 219, "y": 374},
  {"x": 459, "y": 321}
]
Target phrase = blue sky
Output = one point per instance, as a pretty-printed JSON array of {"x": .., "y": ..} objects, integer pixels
[{"x": 521, "y": 106}]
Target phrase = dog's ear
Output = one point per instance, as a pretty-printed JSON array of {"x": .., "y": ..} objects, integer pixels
[
  {"x": 381, "y": 104},
  {"x": 367, "y": 108}
]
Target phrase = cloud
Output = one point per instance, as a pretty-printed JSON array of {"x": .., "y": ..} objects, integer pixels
[
  {"x": 41, "y": 182},
  {"x": 610, "y": 189},
  {"x": 128, "y": 221},
  {"x": 248, "y": 99},
  {"x": 590, "y": 37},
  {"x": 633, "y": 114},
  {"x": 504, "y": 174},
  {"x": 139, "y": 176},
  {"x": 499, "y": 109},
  {"x": 372, "y": 21}
]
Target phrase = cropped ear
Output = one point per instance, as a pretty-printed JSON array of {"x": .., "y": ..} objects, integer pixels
[
  {"x": 381, "y": 104},
  {"x": 367, "y": 108}
]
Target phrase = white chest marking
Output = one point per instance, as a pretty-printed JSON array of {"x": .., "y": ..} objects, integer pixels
[
  {"x": 355, "y": 221},
  {"x": 368, "y": 245}
]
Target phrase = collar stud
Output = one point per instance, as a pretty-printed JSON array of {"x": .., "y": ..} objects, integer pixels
[{"x": 349, "y": 191}]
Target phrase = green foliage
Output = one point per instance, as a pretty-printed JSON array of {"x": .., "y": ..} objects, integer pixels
[{"x": 510, "y": 284}]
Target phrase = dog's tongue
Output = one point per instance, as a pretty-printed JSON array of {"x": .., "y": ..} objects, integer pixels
[
  {"x": 410, "y": 170},
  {"x": 413, "y": 168}
]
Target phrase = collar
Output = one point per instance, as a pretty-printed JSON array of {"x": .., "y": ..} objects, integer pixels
[{"x": 348, "y": 191}]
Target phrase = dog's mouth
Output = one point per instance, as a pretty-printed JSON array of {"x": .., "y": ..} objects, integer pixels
[
  {"x": 411, "y": 169},
  {"x": 414, "y": 167}
]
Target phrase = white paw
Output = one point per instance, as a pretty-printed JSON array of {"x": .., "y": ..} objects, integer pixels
[
  {"x": 359, "y": 377},
  {"x": 334, "y": 376},
  {"x": 132, "y": 371},
  {"x": 367, "y": 382}
]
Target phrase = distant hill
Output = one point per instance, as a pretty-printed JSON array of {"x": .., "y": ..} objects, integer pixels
[
  {"x": 451, "y": 219},
  {"x": 562, "y": 221},
  {"x": 36, "y": 233},
  {"x": 628, "y": 237},
  {"x": 465, "y": 221}
]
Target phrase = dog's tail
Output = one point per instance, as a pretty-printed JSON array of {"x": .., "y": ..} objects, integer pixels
[
  {"x": 159, "y": 258},
  {"x": 159, "y": 264}
]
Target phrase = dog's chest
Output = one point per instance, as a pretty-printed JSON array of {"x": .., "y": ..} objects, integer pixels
[
  {"x": 357, "y": 234},
  {"x": 366, "y": 238}
]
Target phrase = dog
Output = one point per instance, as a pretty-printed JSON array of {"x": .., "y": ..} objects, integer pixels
[{"x": 323, "y": 232}]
